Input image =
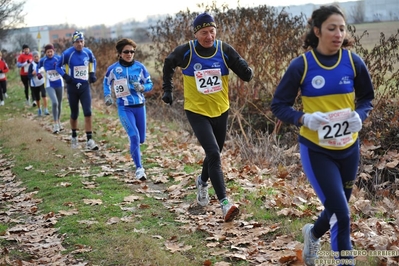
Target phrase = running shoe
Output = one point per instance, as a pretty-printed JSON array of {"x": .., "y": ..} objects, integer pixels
[
  {"x": 91, "y": 145},
  {"x": 74, "y": 143},
  {"x": 56, "y": 129},
  {"x": 202, "y": 192},
  {"x": 140, "y": 174},
  {"x": 230, "y": 211},
  {"x": 310, "y": 246}
]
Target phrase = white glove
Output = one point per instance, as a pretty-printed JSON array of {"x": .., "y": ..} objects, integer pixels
[
  {"x": 108, "y": 100},
  {"x": 138, "y": 87},
  {"x": 315, "y": 120},
  {"x": 355, "y": 123}
]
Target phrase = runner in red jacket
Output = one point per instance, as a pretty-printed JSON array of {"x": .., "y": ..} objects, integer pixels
[
  {"x": 23, "y": 62},
  {"x": 3, "y": 80}
]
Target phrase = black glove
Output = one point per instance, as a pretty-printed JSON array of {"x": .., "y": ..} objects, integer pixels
[
  {"x": 92, "y": 77},
  {"x": 39, "y": 76},
  {"x": 67, "y": 78},
  {"x": 1, "y": 71},
  {"x": 167, "y": 97},
  {"x": 28, "y": 61}
]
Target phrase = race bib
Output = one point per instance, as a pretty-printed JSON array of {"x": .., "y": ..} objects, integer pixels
[
  {"x": 209, "y": 80},
  {"x": 121, "y": 89},
  {"x": 336, "y": 133},
  {"x": 53, "y": 75},
  {"x": 81, "y": 72},
  {"x": 2, "y": 75},
  {"x": 26, "y": 67}
]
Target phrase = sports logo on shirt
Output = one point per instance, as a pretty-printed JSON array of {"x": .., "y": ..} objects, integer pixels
[
  {"x": 345, "y": 80},
  {"x": 197, "y": 66},
  {"x": 318, "y": 82},
  {"x": 118, "y": 70},
  {"x": 216, "y": 65}
]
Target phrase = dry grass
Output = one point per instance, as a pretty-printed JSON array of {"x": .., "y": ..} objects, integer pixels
[
  {"x": 374, "y": 31},
  {"x": 42, "y": 146}
]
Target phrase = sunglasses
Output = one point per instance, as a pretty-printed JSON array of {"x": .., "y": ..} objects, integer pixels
[{"x": 127, "y": 51}]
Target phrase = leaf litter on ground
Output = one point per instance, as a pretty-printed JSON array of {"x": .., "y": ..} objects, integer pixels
[{"x": 241, "y": 240}]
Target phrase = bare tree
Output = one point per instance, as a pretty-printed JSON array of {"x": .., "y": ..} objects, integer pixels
[
  {"x": 357, "y": 12},
  {"x": 141, "y": 34},
  {"x": 10, "y": 15},
  {"x": 25, "y": 38}
]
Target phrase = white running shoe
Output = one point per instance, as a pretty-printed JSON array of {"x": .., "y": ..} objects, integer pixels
[
  {"x": 310, "y": 246},
  {"x": 56, "y": 129},
  {"x": 5, "y": 95},
  {"x": 91, "y": 145},
  {"x": 1, "y": 103},
  {"x": 74, "y": 143},
  {"x": 202, "y": 192},
  {"x": 140, "y": 174},
  {"x": 230, "y": 211}
]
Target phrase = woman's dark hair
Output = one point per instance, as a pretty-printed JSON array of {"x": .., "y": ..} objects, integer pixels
[
  {"x": 123, "y": 42},
  {"x": 318, "y": 17}
]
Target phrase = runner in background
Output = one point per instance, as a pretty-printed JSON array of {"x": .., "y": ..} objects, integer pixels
[
  {"x": 23, "y": 62},
  {"x": 80, "y": 67},
  {"x": 54, "y": 84},
  {"x": 129, "y": 79},
  {"x": 3, "y": 79},
  {"x": 36, "y": 82}
]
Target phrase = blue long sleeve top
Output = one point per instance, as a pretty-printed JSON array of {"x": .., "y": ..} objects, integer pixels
[
  {"x": 53, "y": 78},
  {"x": 120, "y": 79},
  {"x": 78, "y": 64}
]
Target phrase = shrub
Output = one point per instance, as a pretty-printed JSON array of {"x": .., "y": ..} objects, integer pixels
[{"x": 268, "y": 39}]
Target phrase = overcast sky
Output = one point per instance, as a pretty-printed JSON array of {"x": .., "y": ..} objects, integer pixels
[{"x": 83, "y": 13}]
